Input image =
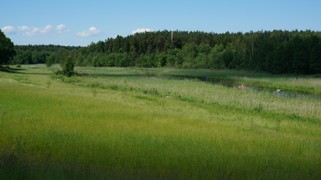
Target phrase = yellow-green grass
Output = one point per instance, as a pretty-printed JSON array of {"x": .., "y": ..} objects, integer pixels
[{"x": 142, "y": 124}]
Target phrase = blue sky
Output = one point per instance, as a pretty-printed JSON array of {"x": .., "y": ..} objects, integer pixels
[{"x": 80, "y": 22}]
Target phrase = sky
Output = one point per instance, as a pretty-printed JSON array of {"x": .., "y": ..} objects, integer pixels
[{"x": 81, "y": 22}]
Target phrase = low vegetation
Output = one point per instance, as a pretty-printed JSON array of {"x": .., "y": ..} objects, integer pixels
[{"x": 132, "y": 123}]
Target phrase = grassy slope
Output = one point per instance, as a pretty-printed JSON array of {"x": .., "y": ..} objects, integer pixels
[{"x": 122, "y": 123}]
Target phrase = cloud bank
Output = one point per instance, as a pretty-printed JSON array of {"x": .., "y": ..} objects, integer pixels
[
  {"x": 8, "y": 29},
  {"x": 26, "y": 30},
  {"x": 90, "y": 32},
  {"x": 32, "y": 31},
  {"x": 61, "y": 28},
  {"x": 141, "y": 30}
]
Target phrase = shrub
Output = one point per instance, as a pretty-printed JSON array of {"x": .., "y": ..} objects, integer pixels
[{"x": 68, "y": 67}]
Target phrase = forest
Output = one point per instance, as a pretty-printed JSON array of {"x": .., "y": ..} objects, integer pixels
[{"x": 297, "y": 52}]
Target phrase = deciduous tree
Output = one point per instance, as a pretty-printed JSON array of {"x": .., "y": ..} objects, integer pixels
[{"x": 6, "y": 49}]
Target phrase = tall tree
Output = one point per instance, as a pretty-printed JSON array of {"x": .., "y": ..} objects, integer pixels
[{"x": 6, "y": 49}]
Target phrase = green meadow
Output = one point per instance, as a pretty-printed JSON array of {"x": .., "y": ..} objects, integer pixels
[{"x": 136, "y": 123}]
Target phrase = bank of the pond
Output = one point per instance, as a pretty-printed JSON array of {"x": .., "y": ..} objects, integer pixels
[{"x": 283, "y": 91}]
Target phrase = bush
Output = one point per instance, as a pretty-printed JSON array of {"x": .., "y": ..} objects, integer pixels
[{"x": 68, "y": 67}]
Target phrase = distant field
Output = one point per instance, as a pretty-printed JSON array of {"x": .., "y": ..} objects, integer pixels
[{"x": 133, "y": 123}]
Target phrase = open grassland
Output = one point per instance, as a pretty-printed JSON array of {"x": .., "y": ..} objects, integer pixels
[{"x": 129, "y": 123}]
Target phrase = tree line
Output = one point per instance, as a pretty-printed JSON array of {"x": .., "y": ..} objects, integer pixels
[
  {"x": 40, "y": 54},
  {"x": 270, "y": 51}
]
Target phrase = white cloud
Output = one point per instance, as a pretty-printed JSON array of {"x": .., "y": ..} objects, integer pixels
[
  {"x": 46, "y": 29},
  {"x": 90, "y": 32},
  {"x": 24, "y": 28},
  {"x": 61, "y": 28},
  {"x": 8, "y": 29},
  {"x": 30, "y": 31},
  {"x": 141, "y": 30}
]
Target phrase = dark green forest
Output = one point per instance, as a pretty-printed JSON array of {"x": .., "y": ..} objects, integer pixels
[
  {"x": 269, "y": 51},
  {"x": 40, "y": 54}
]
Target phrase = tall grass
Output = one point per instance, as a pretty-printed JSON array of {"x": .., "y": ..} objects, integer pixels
[
  {"x": 129, "y": 124},
  {"x": 150, "y": 81}
]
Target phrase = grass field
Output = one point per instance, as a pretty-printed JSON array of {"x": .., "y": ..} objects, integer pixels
[{"x": 131, "y": 123}]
